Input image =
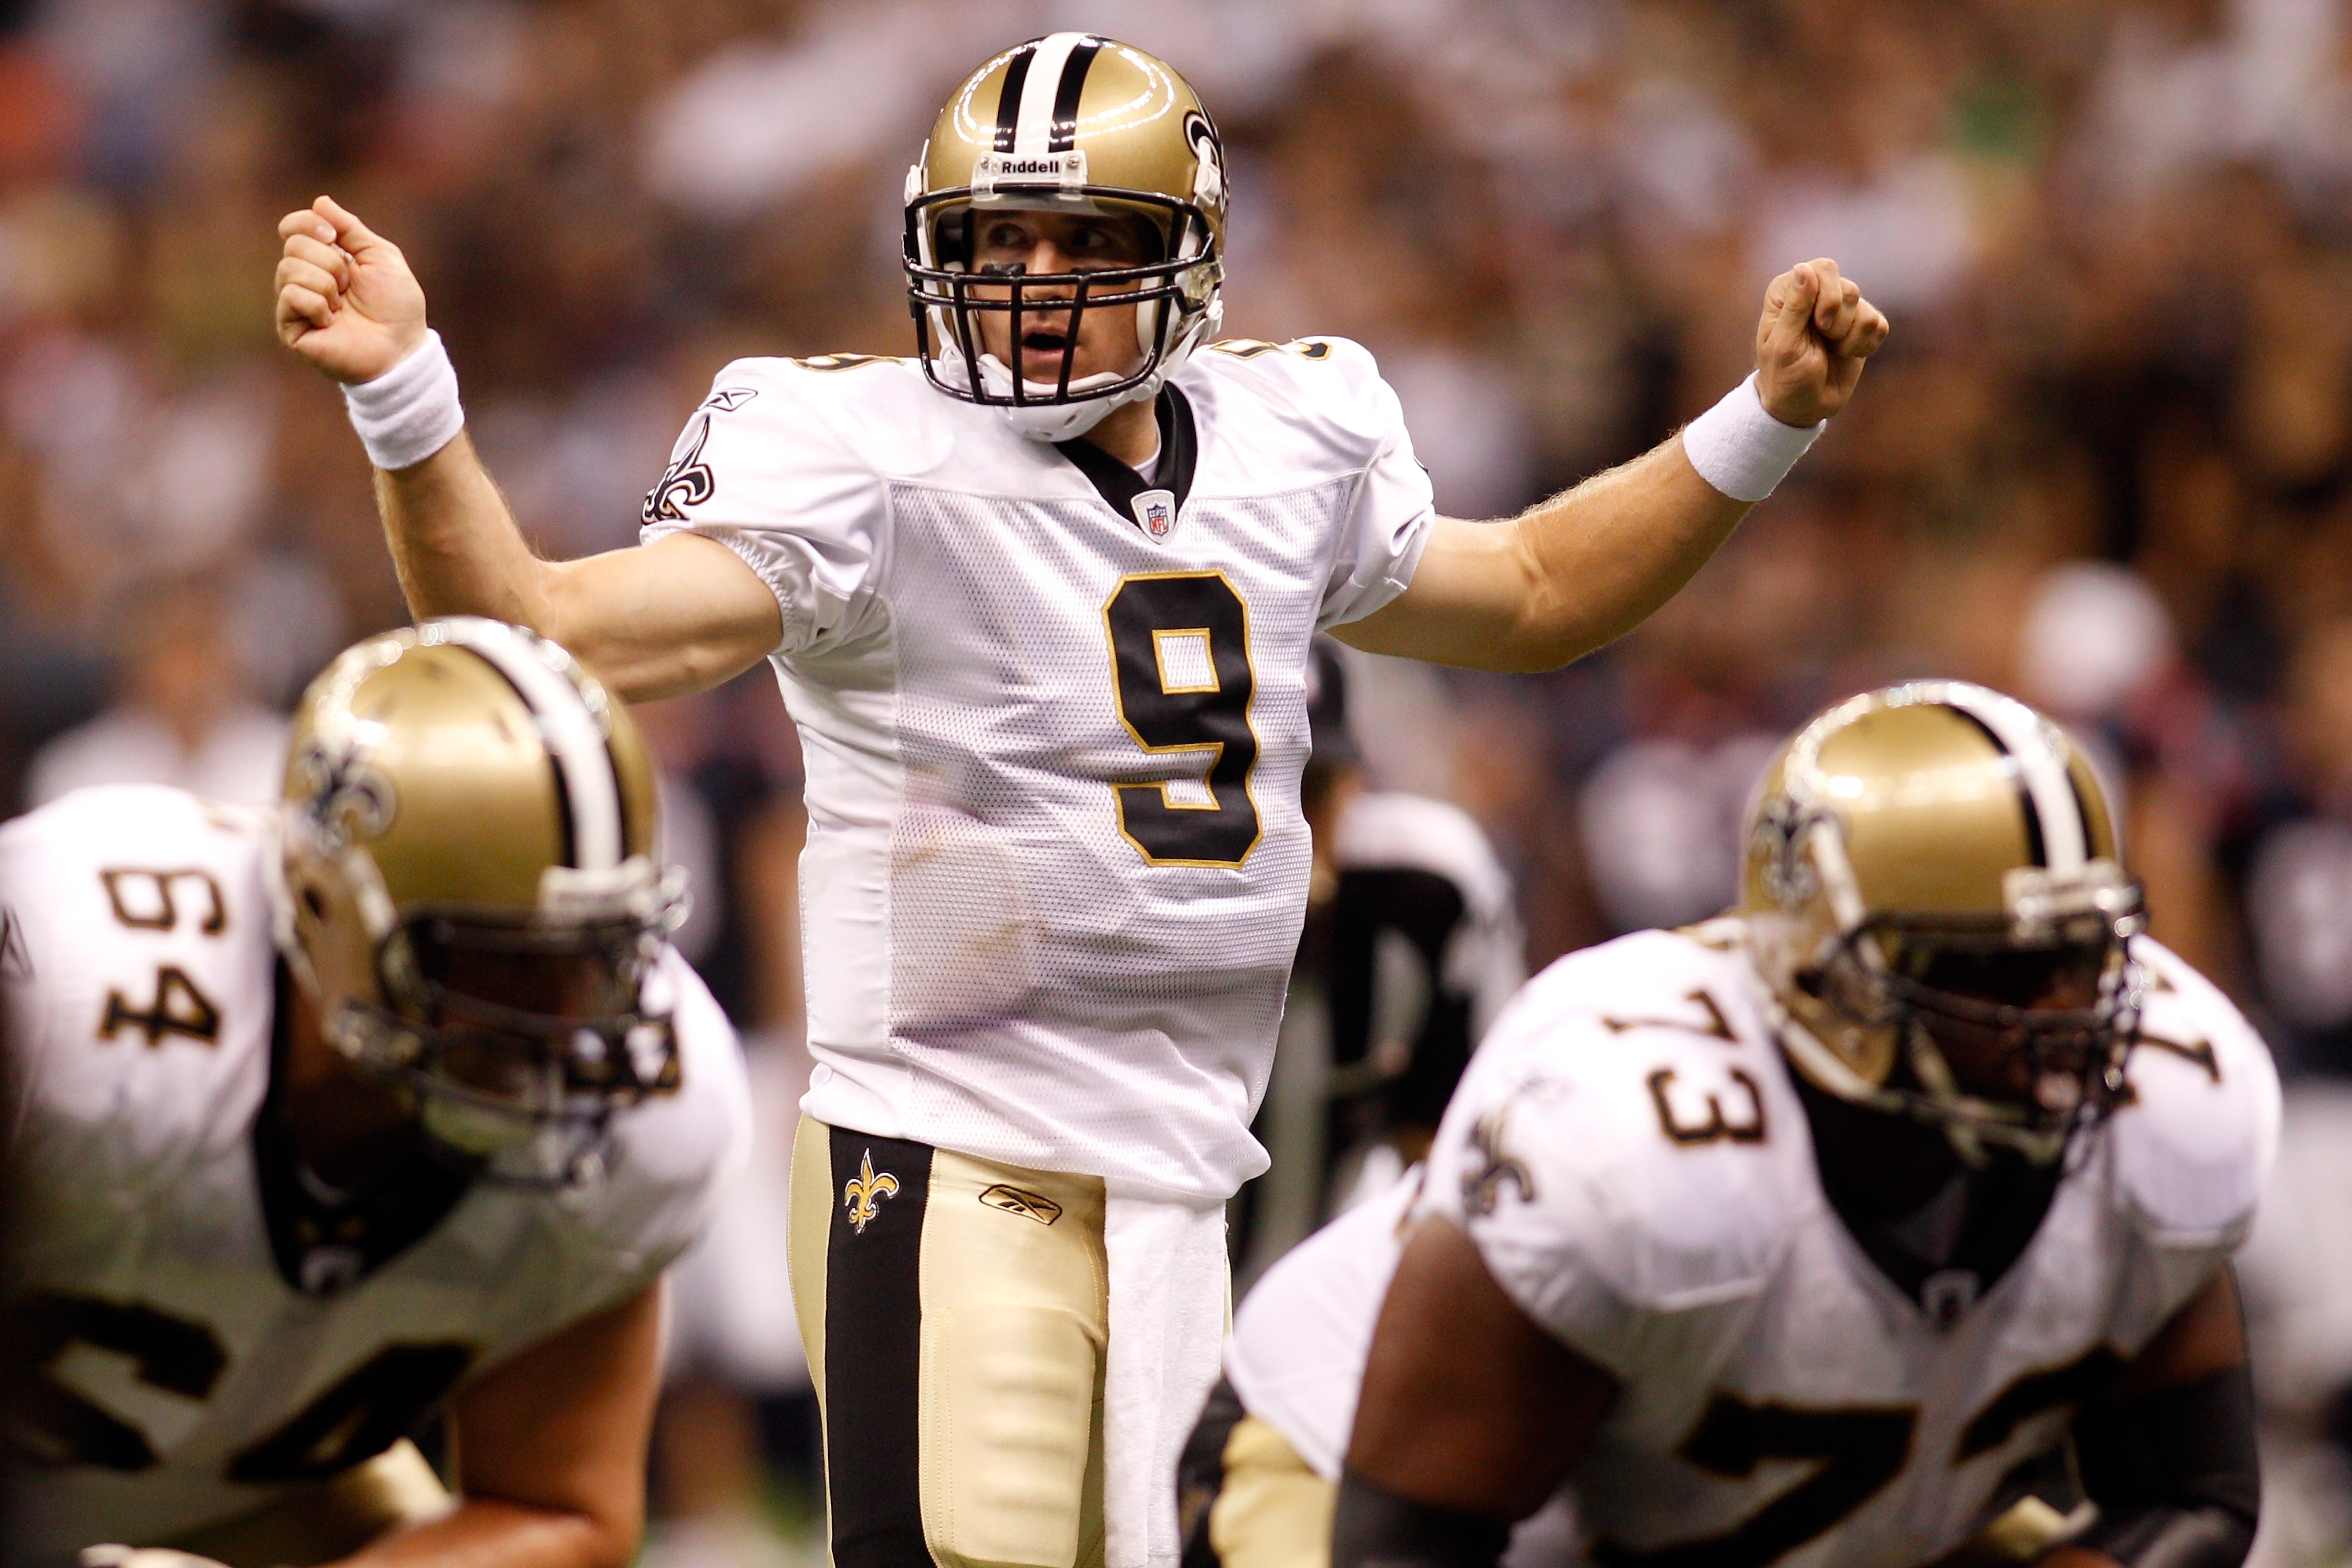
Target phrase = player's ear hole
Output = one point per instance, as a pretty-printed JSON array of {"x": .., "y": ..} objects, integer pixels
[{"x": 315, "y": 902}]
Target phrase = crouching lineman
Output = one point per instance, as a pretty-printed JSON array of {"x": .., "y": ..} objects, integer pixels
[
  {"x": 403, "y": 1096},
  {"x": 1809, "y": 1233}
]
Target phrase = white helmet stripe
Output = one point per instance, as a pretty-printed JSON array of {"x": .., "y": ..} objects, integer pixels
[
  {"x": 584, "y": 759},
  {"x": 1034, "y": 131},
  {"x": 2041, "y": 767}
]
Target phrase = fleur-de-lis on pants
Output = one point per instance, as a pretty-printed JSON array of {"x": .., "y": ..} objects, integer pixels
[{"x": 864, "y": 1188}]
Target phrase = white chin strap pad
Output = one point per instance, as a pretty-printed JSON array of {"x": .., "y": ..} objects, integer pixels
[{"x": 1044, "y": 420}]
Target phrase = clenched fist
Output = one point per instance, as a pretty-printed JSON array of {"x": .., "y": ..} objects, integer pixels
[
  {"x": 346, "y": 300},
  {"x": 1816, "y": 331}
]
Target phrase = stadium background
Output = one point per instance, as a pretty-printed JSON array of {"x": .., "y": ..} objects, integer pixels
[{"x": 2104, "y": 462}]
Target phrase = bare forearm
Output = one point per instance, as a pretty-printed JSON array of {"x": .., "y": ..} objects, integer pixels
[
  {"x": 489, "y": 1532},
  {"x": 1603, "y": 557},
  {"x": 456, "y": 546},
  {"x": 680, "y": 616},
  {"x": 1561, "y": 579}
]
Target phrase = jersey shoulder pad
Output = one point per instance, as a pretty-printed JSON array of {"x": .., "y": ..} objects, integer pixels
[
  {"x": 875, "y": 411},
  {"x": 1626, "y": 1141},
  {"x": 674, "y": 1154},
  {"x": 2193, "y": 1144},
  {"x": 1326, "y": 393},
  {"x": 1391, "y": 829}
]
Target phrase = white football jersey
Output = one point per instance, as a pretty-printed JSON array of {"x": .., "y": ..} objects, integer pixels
[
  {"x": 1301, "y": 1335},
  {"x": 1631, "y": 1160},
  {"x": 176, "y": 1376},
  {"x": 1056, "y": 866}
]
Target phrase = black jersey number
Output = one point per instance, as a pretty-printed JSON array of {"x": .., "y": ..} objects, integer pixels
[
  {"x": 1179, "y": 655},
  {"x": 47, "y": 1422},
  {"x": 359, "y": 1418},
  {"x": 1860, "y": 1450}
]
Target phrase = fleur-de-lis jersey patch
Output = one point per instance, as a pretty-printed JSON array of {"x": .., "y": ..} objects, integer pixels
[
  {"x": 1482, "y": 1188},
  {"x": 860, "y": 1196}
]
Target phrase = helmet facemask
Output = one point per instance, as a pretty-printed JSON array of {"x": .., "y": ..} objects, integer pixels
[
  {"x": 1175, "y": 299},
  {"x": 516, "y": 1038},
  {"x": 2002, "y": 1038}
]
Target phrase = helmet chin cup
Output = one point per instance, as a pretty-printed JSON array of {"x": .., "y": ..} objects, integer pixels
[{"x": 1037, "y": 416}]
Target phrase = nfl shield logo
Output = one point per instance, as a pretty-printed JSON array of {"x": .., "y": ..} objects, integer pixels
[{"x": 1156, "y": 510}]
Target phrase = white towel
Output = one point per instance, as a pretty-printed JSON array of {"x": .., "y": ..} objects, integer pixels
[{"x": 1170, "y": 1299}]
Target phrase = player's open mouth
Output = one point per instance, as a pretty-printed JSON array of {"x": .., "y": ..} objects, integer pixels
[{"x": 1042, "y": 354}]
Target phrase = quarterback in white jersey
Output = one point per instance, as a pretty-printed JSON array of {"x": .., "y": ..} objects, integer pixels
[
  {"x": 282, "y": 1196},
  {"x": 1040, "y": 599},
  {"x": 1805, "y": 1235}
]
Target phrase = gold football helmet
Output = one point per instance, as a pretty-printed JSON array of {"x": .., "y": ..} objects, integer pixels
[
  {"x": 1934, "y": 901},
  {"x": 470, "y": 892},
  {"x": 1079, "y": 125}
]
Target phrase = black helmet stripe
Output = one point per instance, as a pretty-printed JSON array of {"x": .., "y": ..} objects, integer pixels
[
  {"x": 2035, "y": 849},
  {"x": 1008, "y": 101},
  {"x": 1066, "y": 96},
  {"x": 2057, "y": 823},
  {"x": 587, "y": 775},
  {"x": 1041, "y": 87}
]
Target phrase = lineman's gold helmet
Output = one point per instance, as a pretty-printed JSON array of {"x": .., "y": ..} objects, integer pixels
[
  {"x": 470, "y": 896},
  {"x": 1931, "y": 881},
  {"x": 1071, "y": 124}
]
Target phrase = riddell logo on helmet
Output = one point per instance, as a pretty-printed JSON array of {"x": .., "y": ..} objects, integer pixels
[{"x": 1063, "y": 169}]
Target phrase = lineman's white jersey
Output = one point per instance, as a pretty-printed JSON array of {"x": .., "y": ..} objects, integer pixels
[
  {"x": 1301, "y": 1335},
  {"x": 1057, "y": 866},
  {"x": 1631, "y": 1159},
  {"x": 143, "y": 1296}
]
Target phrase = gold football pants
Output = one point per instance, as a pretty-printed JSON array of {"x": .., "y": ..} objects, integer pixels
[
  {"x": 1245, "y": 1498},
  {"x": 954, "y": 1311}
]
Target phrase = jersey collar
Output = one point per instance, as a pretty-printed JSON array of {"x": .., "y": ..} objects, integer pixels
[{"x": 1117, "y": 484}]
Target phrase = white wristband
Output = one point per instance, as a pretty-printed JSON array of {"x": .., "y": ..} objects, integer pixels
[
  {"x": 411, "y": 411},
  {"x": 1742, "y": 451}
]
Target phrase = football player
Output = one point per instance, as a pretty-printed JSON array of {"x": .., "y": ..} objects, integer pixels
[
  {"x": 1809, "y": 1235},
  {"x": 399, "y": 1098},
  {"x": 1040, "y": 598}
]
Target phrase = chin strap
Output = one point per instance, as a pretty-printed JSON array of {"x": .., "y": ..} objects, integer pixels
[{"x": 2175, "y": 1475}]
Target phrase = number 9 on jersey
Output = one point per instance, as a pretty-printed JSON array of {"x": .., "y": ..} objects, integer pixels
[{"x": 1181, "y": 663}]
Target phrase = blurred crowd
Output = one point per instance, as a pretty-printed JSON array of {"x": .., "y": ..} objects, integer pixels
[{"x": 2106, "y": 461}]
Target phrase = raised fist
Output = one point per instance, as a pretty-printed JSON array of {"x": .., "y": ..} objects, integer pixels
[
  {"x": 346, "y": 300},
  {"x": 1817, "y": 330}
]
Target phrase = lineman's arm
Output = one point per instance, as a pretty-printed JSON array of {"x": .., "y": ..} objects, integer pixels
[
  {"x": 2169, "y": 1453},
  {"x": 550, "y": 1454},
  {"x": 1471, "y": 1415},
  {"x": 1578, "y": 571},
  {"x": 677, "y": 615}
]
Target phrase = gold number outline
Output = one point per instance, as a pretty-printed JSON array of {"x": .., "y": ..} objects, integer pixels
[
  {"x": 167, "y": 915},
  {"x": 1716, "y": 1126},
  {"x": 1216, "y": 749}
]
